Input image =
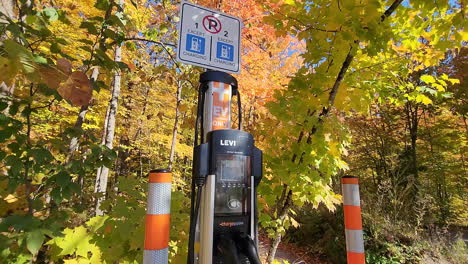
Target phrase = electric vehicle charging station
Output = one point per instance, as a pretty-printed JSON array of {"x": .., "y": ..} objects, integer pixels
[
  {"x": 227, "y": 167},
  {"x": 226, "y": 171}
]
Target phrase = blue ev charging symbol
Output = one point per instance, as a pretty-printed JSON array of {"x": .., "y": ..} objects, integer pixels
[
  {"x": 225, "y": 51},
  {"x": 195, "y": 44}
]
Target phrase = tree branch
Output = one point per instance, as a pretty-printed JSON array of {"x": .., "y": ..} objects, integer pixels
[
  {"x": 163, "y": 45},
  {"x": 390, "y": 10},
  {"x": 340, "y": 77},
  {"x": 321, "y": 29},
  {"x": 344, "y": 68},
  {"x": 152, "y": 41}
]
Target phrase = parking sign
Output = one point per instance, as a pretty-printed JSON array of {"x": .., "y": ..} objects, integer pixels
[{"x": 209, "y": 38}]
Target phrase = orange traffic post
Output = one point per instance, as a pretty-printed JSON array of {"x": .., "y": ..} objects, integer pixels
[
  {"x": 158, "y": 214},
  {"x": 353, "y": 220}
]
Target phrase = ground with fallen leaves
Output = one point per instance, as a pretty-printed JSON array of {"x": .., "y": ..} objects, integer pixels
[{"x": 291, "y": 253}]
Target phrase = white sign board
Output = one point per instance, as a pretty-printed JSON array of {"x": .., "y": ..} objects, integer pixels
[{"x": 209, "y": 39}]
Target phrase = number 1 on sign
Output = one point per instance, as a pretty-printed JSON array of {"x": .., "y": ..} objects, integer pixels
[{"x": 196, "y": 25}]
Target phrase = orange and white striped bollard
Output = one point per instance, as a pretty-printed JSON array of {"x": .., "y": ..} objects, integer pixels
[
  {"x": 158, "y": 214},
  {"x": 353, "y": 220}
]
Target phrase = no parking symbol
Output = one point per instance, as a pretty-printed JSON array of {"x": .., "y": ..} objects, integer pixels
[{"x": 212, "y": 24}]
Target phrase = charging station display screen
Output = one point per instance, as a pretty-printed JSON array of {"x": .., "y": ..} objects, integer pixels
[
  {"x": 232, "y": 181},
  {"x": 232, "y": 168}
]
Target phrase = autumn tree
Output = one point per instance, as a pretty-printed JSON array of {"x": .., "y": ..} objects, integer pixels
[{"x": 348, "y": 61}]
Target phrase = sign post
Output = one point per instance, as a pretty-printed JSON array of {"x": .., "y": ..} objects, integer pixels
[{"x": 209, "y": 38}]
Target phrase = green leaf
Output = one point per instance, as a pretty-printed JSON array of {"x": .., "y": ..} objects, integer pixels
[
  {"x": 86, "y": 41},
  {"x": 96, "y": 222},
  {"x": 50, "y": 13},
  {"x": 17, "y": 51},
  {"x": 62, "y": 178},
  {"x": 102, "y": 5},
  {"x": 75, "y": 240},
  {"x": 117, "y": 20},
  {"x": 3, "y": 105},
  {"x": 90, "y": 27},
  {"x": 19, "y": 222},
  {"x": 34, "y": 241},
  {"x": 55, "y": 48},
  {"x": 163, "y": 28},
  {"x": 41, "y": 155},
  {"x": 16, "y": 165},
  {"x": 40, "y": 59}
]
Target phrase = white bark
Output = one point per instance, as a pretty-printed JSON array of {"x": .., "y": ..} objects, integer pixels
[
  {"x": 7, "y": 8},
  {"x": 74, "y": 144},
  {"x": 103, "y": 172}
]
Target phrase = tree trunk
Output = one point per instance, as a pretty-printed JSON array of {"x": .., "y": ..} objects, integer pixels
[
  {"x": 103, "y": 172},
  {"x": 122, "y": 166},
  {"x": 412, "y": 123},
  {"x": 6, "y": 91},
  {"x": 7, "y": 8},
  {"x": 176, "y": 123},
  {"x": 74, "y": 144},
  {"x": 277, "y": 239}
]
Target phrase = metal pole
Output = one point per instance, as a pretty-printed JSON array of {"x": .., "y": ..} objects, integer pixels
[
  {"x": 158, "y": 217},
  {"x": 353, "y": 220}
]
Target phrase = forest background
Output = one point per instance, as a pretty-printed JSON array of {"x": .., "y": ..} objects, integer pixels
[{"x": 92, "y": 100}]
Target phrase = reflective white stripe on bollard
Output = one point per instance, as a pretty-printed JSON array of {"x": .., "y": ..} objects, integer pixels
[
  {"x": 353, "y": 220},
  {"x": 158, "y": 217}
]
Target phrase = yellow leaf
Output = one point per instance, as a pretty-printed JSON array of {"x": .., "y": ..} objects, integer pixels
[
  {"x": 9, "y": 69},
  {"x": 439, "y": 87},
  {"x": 294, "y": 223},
  {"x": 11, "y": 198},
  {"x": 427, "y": 78},
  {"x": 70, "y": 261}
]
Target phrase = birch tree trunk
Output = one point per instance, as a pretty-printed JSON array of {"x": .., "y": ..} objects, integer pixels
[
  {"x": 103, "y": 172},
  {"x": 74, "y": 144},
  {"x": 176, "y": 123},
  {"x": 7, "y": 8},
  {"x": 6, "y": 91}
]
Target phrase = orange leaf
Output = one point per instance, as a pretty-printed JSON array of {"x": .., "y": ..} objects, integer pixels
[
  {"x": 64, "y": 65},
  {"x": 51, "y": 76},
  {"x": 76, "y": 89},
  {"x": 131, "y": 66}
]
